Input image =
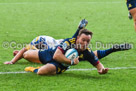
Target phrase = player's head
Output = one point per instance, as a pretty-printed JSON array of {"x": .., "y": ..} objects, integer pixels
[{"x": 83, "y": 39}]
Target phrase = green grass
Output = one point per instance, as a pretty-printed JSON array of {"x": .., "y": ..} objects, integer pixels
[{"x": 23, "y": 20}]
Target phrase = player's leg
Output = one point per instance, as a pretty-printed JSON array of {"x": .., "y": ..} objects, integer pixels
[
  {"x": 131, "y": 5},
  {"x": 32, "y": 56},
  {"x": 133, "y": 13},
  {"x": 50, "y": 68},
  {"x": 130, "y": 16},
  {"x": 82, "y": 24},
  {"x": 102, "y": 53}
]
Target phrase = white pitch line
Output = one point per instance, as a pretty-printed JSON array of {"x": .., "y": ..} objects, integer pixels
[
  {"x": 96, "y": 69},
  {"x": 117, "y": 68},
  {"x": 14, "y": 72}
]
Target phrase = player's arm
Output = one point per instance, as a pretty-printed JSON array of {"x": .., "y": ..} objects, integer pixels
[
  {"x": 60, "y": 57},
  {"x": 19, "y": 55},
  {"x": 101, "y": 69},
  {"x": 99, "y": 66},
  {"x": 90, "y": 56}
]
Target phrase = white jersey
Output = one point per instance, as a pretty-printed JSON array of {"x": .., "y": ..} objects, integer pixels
[{"x": 44, "y": 42}]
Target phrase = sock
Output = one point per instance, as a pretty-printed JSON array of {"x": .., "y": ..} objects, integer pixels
[
  {"x": 103, "y": 53},
  {"x": 35, "y": 71}
]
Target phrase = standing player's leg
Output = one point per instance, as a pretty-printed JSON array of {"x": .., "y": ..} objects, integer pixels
[
  {"x": 131, "y": 4},
  {"x": 133, "y": 13},
  {"x": 102, "y": 53}
]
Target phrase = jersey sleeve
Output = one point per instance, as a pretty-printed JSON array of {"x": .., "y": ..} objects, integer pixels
[
  {"x": 90, "y": 56},
  {"x": 64, "y": 46}
]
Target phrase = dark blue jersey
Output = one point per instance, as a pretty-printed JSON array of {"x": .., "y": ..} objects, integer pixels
[
  {"x": 131, "y": 4},
  {"x": 84, "y": 55}
]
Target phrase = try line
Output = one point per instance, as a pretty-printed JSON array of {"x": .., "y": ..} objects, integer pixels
[{"x": 117, "y": 68}]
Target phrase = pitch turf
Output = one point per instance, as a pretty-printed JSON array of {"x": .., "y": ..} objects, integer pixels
[{"x": 23, "y": 20}]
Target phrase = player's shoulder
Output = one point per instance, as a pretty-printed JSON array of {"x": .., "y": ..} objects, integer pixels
[{"x": 66, "y": 42}]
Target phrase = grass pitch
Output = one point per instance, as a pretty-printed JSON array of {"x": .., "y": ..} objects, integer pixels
[{"x": 21, "y": 21}]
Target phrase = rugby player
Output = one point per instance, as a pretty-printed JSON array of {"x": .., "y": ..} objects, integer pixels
[
  {"x": 45, "y": 42},
  {"x": 54, "y": 59},
  {"x": 42, "y": 42},
  {"x": 131, "y": 4}
]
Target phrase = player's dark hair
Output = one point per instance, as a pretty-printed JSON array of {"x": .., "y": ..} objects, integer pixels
[{"x": 85, "y": 31}]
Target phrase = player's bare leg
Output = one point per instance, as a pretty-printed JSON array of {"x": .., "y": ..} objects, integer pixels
[
  {"x": 133, "y": 13},
  {"x": 32, "y": 56},
  {"x": 48, "y": 69}
]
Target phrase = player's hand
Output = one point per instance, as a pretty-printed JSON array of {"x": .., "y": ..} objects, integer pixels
[
  {"x": 76, "y": 60},
  {"x": 82, "y": 24},
  {"x": 103, "y": 71},
  {"x": 8, "y": 62}
]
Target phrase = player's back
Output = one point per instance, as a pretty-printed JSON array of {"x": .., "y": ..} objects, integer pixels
[{"x": 43, "y": 42}]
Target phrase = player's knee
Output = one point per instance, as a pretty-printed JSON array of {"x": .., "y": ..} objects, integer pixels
[
  {"x": 134, "y": 17},
  {"x": 41, "y": 72},
  {"x": 46, "y": 71}
]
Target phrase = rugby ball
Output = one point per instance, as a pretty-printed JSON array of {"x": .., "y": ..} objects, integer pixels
[{"x": 71, "y": 54}]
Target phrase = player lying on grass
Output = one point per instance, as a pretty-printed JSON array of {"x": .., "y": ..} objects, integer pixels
[
  {"x": 100, "y": 54},
  {"x": 131, "y": 4},
  {"x": 54, "y": 59},
  {"x": 42, "y": 42}
]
